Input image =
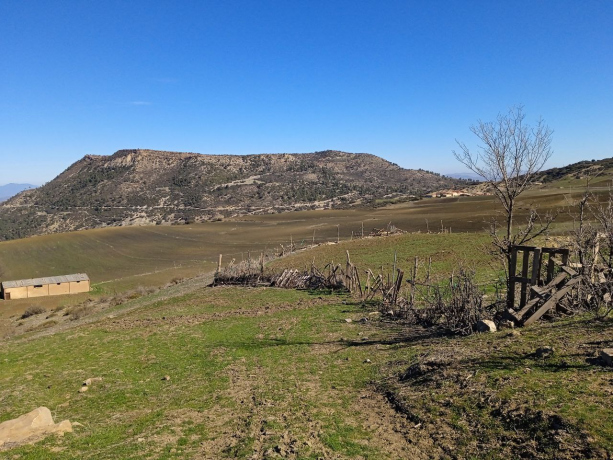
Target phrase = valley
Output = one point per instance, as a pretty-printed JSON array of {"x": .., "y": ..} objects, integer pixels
[{"x": 191, "y": 371}]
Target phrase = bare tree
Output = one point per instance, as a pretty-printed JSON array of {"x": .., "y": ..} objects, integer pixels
[{"x": 510, "y": 155}]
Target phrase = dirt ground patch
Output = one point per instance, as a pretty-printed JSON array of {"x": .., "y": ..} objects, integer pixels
[{"x": 496, "y": 395}]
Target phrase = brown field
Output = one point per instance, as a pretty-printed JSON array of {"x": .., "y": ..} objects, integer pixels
[{"x": 121, "y": 259}]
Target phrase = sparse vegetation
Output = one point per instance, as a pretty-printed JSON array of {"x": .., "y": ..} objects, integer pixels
[
  {"x": 32, "y": 311},
  {"x": 115, "y": 190},
  {"x": 300, "y": 374}
]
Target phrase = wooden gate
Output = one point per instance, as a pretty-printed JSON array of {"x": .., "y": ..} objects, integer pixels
[{"x": 540, "y": 288}]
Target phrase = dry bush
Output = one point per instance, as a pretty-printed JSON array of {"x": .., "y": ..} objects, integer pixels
[
  {"x": 592, "y": 241},
  {"x": 456, "y": 305},
  {"x": 77, "y": 312},
  {"x": 246, "y": 272},
  {"x": 32, "y": 311}
]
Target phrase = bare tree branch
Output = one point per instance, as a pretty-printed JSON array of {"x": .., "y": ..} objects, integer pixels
[{"x": 509, "y": 156}]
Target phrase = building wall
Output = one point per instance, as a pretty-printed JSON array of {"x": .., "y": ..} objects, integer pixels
[
  {"x": 25, "y": 292},
  {"x": 60, "y": 288},
  {"x": 34, "y": 291},
  {"x": 81, "y": 286},
  {"x": 17, "y": 293}
]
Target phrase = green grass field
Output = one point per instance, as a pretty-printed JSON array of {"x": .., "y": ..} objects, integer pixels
[{"x": 268, "y": 373}]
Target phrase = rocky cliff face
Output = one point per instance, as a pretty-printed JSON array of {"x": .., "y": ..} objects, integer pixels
[{"x": 147, "y": 187}]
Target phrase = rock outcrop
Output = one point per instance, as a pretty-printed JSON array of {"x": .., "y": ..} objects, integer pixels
[{"x": 30, "y": 428}]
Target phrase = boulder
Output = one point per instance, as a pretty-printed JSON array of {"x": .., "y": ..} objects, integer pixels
[
  {"x": 607, "y": 356},
  {"x": 31, "y": 427},
  {"x": 485, "y": 325},
  {"x": 91, "y": 380}
]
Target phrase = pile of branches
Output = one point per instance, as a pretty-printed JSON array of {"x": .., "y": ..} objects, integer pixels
[
  {"x": 313, "y": 279},
  {"x": 455, "y": 303},
  {"x": 248, "y": 272},
  {"x": 390, "y": 229}
]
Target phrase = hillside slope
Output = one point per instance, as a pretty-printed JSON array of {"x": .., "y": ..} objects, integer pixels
[{"x": 133, "y": 187}]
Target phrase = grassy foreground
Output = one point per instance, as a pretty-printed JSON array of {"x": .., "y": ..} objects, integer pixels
[{"x": 268, "y": 373}]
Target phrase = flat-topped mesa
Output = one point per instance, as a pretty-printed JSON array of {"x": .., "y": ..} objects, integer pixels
[{"x": 144, "y": 186}]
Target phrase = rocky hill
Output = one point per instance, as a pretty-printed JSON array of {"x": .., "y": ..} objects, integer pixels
[
  {"x": 138, "y": 187},
  {"x": 578, "y": 170}
]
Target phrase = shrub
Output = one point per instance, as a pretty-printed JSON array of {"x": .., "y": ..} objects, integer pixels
[
  {"x": 32, "y": 311},
  {"x": 457, "y": 304},
  {"x": 77, "y": 312}
]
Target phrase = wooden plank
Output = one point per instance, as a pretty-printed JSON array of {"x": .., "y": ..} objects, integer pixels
[
  {"x": 566, "y": 269},
  {"x": 525, "y": 248},
  {"x": 553, "y": 300},
  {"x": 511, "y": 287},
  {"x": 541, "y": 291},
  {"x": 536, "y": 267},
  {"x": 529, "y": 306},
  {"x": 524, "y": 275}
]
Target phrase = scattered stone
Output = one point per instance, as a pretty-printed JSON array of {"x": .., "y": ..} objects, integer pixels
[
  {"x": 390, "y": 313},
  {"x": 544, "y": 352},
  {"x": 607, "y": 356},
  {"x": 32, "y": 427},
  {"x": 166, "y": 377},
  {"x": 374, "y": 313},
  {"x": 485, "y": 325},
  {"x": 348, "y": 320},
  {"x": 83, "y": 389},
  {"x": 141, "y": 439},
  {"x": 88, "y": 382}
]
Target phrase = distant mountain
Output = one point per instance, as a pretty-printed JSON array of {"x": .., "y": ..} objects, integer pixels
[
  {"x": 139, "y": 187},
  {"x": 9, "y": 190},
  {"x": 465, "y": 175}
]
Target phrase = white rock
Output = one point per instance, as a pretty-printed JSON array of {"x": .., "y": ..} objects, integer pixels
[
  {"x": 485, "y": 325},
  {"x": 32, "y": 426}
]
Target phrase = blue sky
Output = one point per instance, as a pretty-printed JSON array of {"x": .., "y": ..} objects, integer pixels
[{"x": 399, "y": 79}]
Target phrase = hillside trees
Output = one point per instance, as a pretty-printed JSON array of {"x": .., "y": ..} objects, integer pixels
[{"x": 509, "y": 156}]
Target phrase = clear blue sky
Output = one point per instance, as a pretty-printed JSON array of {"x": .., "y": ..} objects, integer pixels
[{"x": 399, "y": 79}]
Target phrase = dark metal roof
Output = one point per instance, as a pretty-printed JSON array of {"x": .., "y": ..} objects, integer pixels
[{"x": 47, "y": 280}]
